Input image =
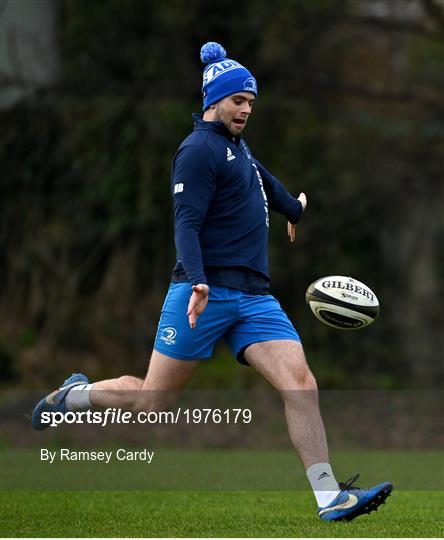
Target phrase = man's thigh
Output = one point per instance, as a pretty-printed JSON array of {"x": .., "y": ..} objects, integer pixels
[
  {"x": 164, "y": 382},
  {"x": 167, "y": 373},
  {"x": 282, "y": 363}
]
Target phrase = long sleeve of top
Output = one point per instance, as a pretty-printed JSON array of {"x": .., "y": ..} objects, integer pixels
[
  {"x": 222, "y": 197},
  {"x": 193, "y": 187},
  {"x": 278, "y": 197}
]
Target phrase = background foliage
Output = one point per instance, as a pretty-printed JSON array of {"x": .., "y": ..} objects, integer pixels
[{"x": 350, "y": 111}]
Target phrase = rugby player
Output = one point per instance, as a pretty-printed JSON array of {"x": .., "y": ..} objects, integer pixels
[{"x": 220, "y": 288}]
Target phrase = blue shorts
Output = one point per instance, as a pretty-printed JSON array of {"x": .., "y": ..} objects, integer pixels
[{"x": 236, "y": 316}]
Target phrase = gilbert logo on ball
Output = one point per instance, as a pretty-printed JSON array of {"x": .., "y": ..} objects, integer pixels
[{"x": 342, "y": 302}]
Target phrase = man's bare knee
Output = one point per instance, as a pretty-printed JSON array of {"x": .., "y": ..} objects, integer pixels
[
  {"x": 296, "y": 375},
  {"x": 301, "y": 390},
  {"x": 303, "y": 378}
]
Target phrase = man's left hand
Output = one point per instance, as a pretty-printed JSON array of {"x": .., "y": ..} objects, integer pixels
[{"x": 291, "y": 229}]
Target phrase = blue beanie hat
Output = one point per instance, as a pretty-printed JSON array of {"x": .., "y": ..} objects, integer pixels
[{"x": 222, "y": 76}]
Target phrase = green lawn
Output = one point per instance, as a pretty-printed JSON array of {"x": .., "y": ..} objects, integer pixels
[
  {"x": 217, "y": 469},
  {"x": 176, "y": 514},
  {"x": 205, "y": 493}
]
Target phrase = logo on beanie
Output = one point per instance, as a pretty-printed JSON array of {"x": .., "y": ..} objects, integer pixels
[
  {"x": 214, "y": 70},
  {"x": 250, "y": 85}
]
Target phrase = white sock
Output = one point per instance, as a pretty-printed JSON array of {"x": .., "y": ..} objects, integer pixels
[
  {"x": 77, "y": 398},
  {"x": 323, "y": 483}
]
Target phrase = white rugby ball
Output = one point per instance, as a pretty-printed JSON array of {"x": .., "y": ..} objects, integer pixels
[{"x": 342, "y": 302}]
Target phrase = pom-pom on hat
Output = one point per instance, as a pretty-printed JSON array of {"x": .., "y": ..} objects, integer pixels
[{"x": 223, "y": 77}]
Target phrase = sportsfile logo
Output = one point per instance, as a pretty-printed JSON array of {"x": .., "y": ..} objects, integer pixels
[{"x": 168, "y": 335}]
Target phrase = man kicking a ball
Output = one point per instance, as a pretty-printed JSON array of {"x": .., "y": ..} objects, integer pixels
[{"x": 220, "y": 288}]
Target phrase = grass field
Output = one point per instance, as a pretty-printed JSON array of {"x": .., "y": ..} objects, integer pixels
[
  {"x": 207, "y": 514},
  {"x": 240, "y": 493},
  {"x": 217, "y": 469}
]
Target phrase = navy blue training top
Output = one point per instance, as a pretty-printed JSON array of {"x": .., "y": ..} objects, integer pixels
[{"x": 222, "y": 196}]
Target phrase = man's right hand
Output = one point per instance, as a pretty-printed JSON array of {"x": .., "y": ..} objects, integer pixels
[{"x": 198, "y": 302}]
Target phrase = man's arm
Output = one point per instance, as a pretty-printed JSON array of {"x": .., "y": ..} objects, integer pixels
[
  {"x": 281, "y": 201},
  {"x": 187, "y": 227},
  {"x": 278, "y": 197},
  {"x": 193, "y": 187},
  {"x": 291, "y": 227}
]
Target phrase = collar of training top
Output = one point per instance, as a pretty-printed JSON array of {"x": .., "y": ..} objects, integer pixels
[{"x": 217, "y": 127}]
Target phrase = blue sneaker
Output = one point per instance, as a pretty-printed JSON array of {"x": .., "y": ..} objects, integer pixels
[
  {"x": 353, "y": 502},
  {"x": 56, "y": 401}
]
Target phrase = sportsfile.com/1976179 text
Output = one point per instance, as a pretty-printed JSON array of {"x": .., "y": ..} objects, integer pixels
[{"x": 118, "y": 416}]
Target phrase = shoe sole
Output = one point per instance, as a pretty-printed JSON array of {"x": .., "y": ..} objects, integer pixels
[{"x": 371, "y": 506}]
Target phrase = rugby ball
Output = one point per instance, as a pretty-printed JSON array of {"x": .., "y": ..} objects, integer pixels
[{"x": 342, "y": 302}]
